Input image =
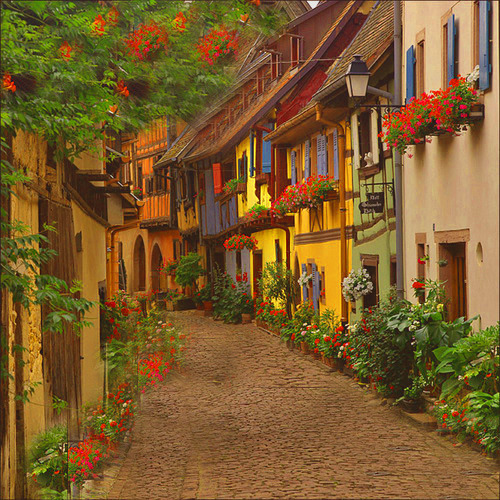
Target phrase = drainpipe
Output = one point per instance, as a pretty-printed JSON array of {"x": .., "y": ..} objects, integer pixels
[
  {"x": 343, "y": 238},
  {"x": 110, "y": 243},
  {"x": 287, "y": 234},
  {"x": 398, "y": 171}
]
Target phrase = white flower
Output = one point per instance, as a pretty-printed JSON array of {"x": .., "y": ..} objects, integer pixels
[{"x": 474, "y": 75}]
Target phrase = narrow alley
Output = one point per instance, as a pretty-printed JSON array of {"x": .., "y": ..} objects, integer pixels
[{"x": 247, "y": 418}]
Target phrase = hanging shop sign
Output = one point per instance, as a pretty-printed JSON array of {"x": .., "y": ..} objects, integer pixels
[{"x": 373, "y": 204}]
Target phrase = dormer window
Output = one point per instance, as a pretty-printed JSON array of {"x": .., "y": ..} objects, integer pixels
[
  {"x": 275, "y": 65},
  {"x": 296, "y": 46}
]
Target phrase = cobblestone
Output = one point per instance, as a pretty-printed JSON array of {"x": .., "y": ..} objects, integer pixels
[{"x": 247, "y": 418}]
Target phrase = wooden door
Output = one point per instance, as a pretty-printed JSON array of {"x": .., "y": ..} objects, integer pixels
[
  {"x": 453, "y": 273},
  {"x": 61, "y": 351},
  {"x": 257, "y": 270}
]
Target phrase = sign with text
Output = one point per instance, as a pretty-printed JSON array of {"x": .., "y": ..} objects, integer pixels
[{"x": 373, "y": 204}]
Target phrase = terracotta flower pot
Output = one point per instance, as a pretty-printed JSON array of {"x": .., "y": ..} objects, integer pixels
[
  {"x": 246, "y": 318},
  {"x": 199, "y": 307},
  {"x": 208, "y": 305},
  {"x": 304, "y": 347}
]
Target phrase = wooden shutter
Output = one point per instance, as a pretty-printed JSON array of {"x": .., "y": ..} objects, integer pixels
[
  {"x": 304, "y": 287},
  {"x": 307, "y": 160},
  {"x": 252, "y": 163},
  {"x": 316, "y": 290},
  {"x": 321, "y": 155},
  {"x": 484, "y": 44},
  {"x": 266, "y": 154},
  {"x": 293, "y": 167},
  {"x": 335, "y": 154},
  {"x": 450, "y": 63},
  {"x": 217, "y": 171},
  {"x": 374, "y": 136},
  {"x": 354, "y": 141},
  {"x": 410, "y": 73}
]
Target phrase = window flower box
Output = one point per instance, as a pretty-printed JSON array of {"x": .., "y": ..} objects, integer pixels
[
  {"x": 241, "y": 188},
  {"x": 436, "y": 113}
]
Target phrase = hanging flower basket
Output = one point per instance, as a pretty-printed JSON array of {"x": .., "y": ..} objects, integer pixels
[{"x": 240, "y": 242}]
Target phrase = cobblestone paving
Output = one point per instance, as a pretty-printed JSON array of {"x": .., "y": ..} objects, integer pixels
[{"x": 247, "y": 418}]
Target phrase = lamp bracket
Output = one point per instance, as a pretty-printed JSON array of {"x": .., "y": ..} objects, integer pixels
[{"x": 390, "y": 185}]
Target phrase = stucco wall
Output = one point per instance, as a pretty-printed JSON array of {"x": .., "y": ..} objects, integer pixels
[
  {"x": 453, "y": 183},
  {"x": 91, "y": 262}
]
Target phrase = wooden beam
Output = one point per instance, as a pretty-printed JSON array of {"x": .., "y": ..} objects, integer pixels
[
  {"x": 112, "y": 189},
  {"x": 93, "y": 175}
]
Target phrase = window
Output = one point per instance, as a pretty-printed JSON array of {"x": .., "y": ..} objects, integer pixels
[
  {"x": 370, "y": 263},
  {"x": 420, "y": 68},
  {"x": 275, "y": 65},
  {"x": 277, "y": 251},
  {"x": 393, "y": 271},
  {"x": 475, "y": 33},
  {"x": 295, "y": 50},
  {"x": 201, "y": 187},
  {"x": 242, "y": 166},
  {"x": 364, "y": 134},
  {"x": 258, "y": 152},
  {"x": 481, "y": 41}
]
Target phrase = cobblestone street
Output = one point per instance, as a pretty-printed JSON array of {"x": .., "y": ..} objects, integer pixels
[{"x": 247, "y": 418}]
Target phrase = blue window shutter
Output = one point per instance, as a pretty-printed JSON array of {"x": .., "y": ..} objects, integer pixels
[
  {"x": 410, "y": 73},
  {"x": 304, "y": 287},
  {"x": 322, "y": 167},
  {"x": 335, "y": 154},
  {"x": 316, "y": 290},
  {"x": 484, "y": 44},
  {"x": 293, "y": 168},
  {"x": 252, "y": 165},
  {"x": 307, "y": 160},
  {"x": 450, "y": 64},
  {"x": 266, "y": 155}
]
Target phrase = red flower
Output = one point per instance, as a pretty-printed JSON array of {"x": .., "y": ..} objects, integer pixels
[
  {"x": 339, "y": 329},
  {"x": 65, "y": 51},
  {"x": 112, "y": 16},
  {"x": 123, "y": 90},
  {"x": 98, "y": 25},
  {"x": 418, "y": 285},
  {"x": 445, "y": 416},
  {"x": 8, "y": 83},
  {"x": 125, "y": 311},
  {"x": 455, "y": 413},
  {"x": 316, "y": 350},
  {"x": 179, "y": 22}
]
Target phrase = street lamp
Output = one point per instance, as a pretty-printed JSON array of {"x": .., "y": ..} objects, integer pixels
[{"x": 357, "y": 77}]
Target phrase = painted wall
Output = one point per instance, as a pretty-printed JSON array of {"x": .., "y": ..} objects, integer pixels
[
  {"x": 326, "y": 255},
  {"x": 91, "y": 264},
  {"x": 453, "y": 183}
]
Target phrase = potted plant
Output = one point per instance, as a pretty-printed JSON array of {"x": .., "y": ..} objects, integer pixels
[
  {"x": 240, "y": 242},
  {"x": 411, "y": 399},
  {"x": 356, "y": 284},
  {"x": 188, "y": 270},
  {"x": 205, "y": 295}
]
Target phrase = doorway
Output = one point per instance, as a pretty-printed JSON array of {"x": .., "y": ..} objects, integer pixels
[
  {"x": 257, "y": 271},
  {"x": 156, "y": 265},
  {"x": 453, "y": 273}
]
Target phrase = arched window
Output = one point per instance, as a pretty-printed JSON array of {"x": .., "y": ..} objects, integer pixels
[{"x": 156, "y": 263}]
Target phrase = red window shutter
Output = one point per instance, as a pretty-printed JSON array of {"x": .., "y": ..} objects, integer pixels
[{"x": 217, "y": 178}]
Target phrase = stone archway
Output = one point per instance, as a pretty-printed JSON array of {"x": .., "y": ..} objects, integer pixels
[
  {"x": 156, "y": 263},
  {"x": 139, "y": 265}
]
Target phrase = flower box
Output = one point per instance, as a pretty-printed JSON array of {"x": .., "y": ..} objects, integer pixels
[
  {"x": 476, "y": 112},
  {"x": 241, "y": 188}
]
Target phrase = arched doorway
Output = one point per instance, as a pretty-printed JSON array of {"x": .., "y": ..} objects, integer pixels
[
  {"x": 139, "y": 265},
  {"x": 156, "y": 263}
]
